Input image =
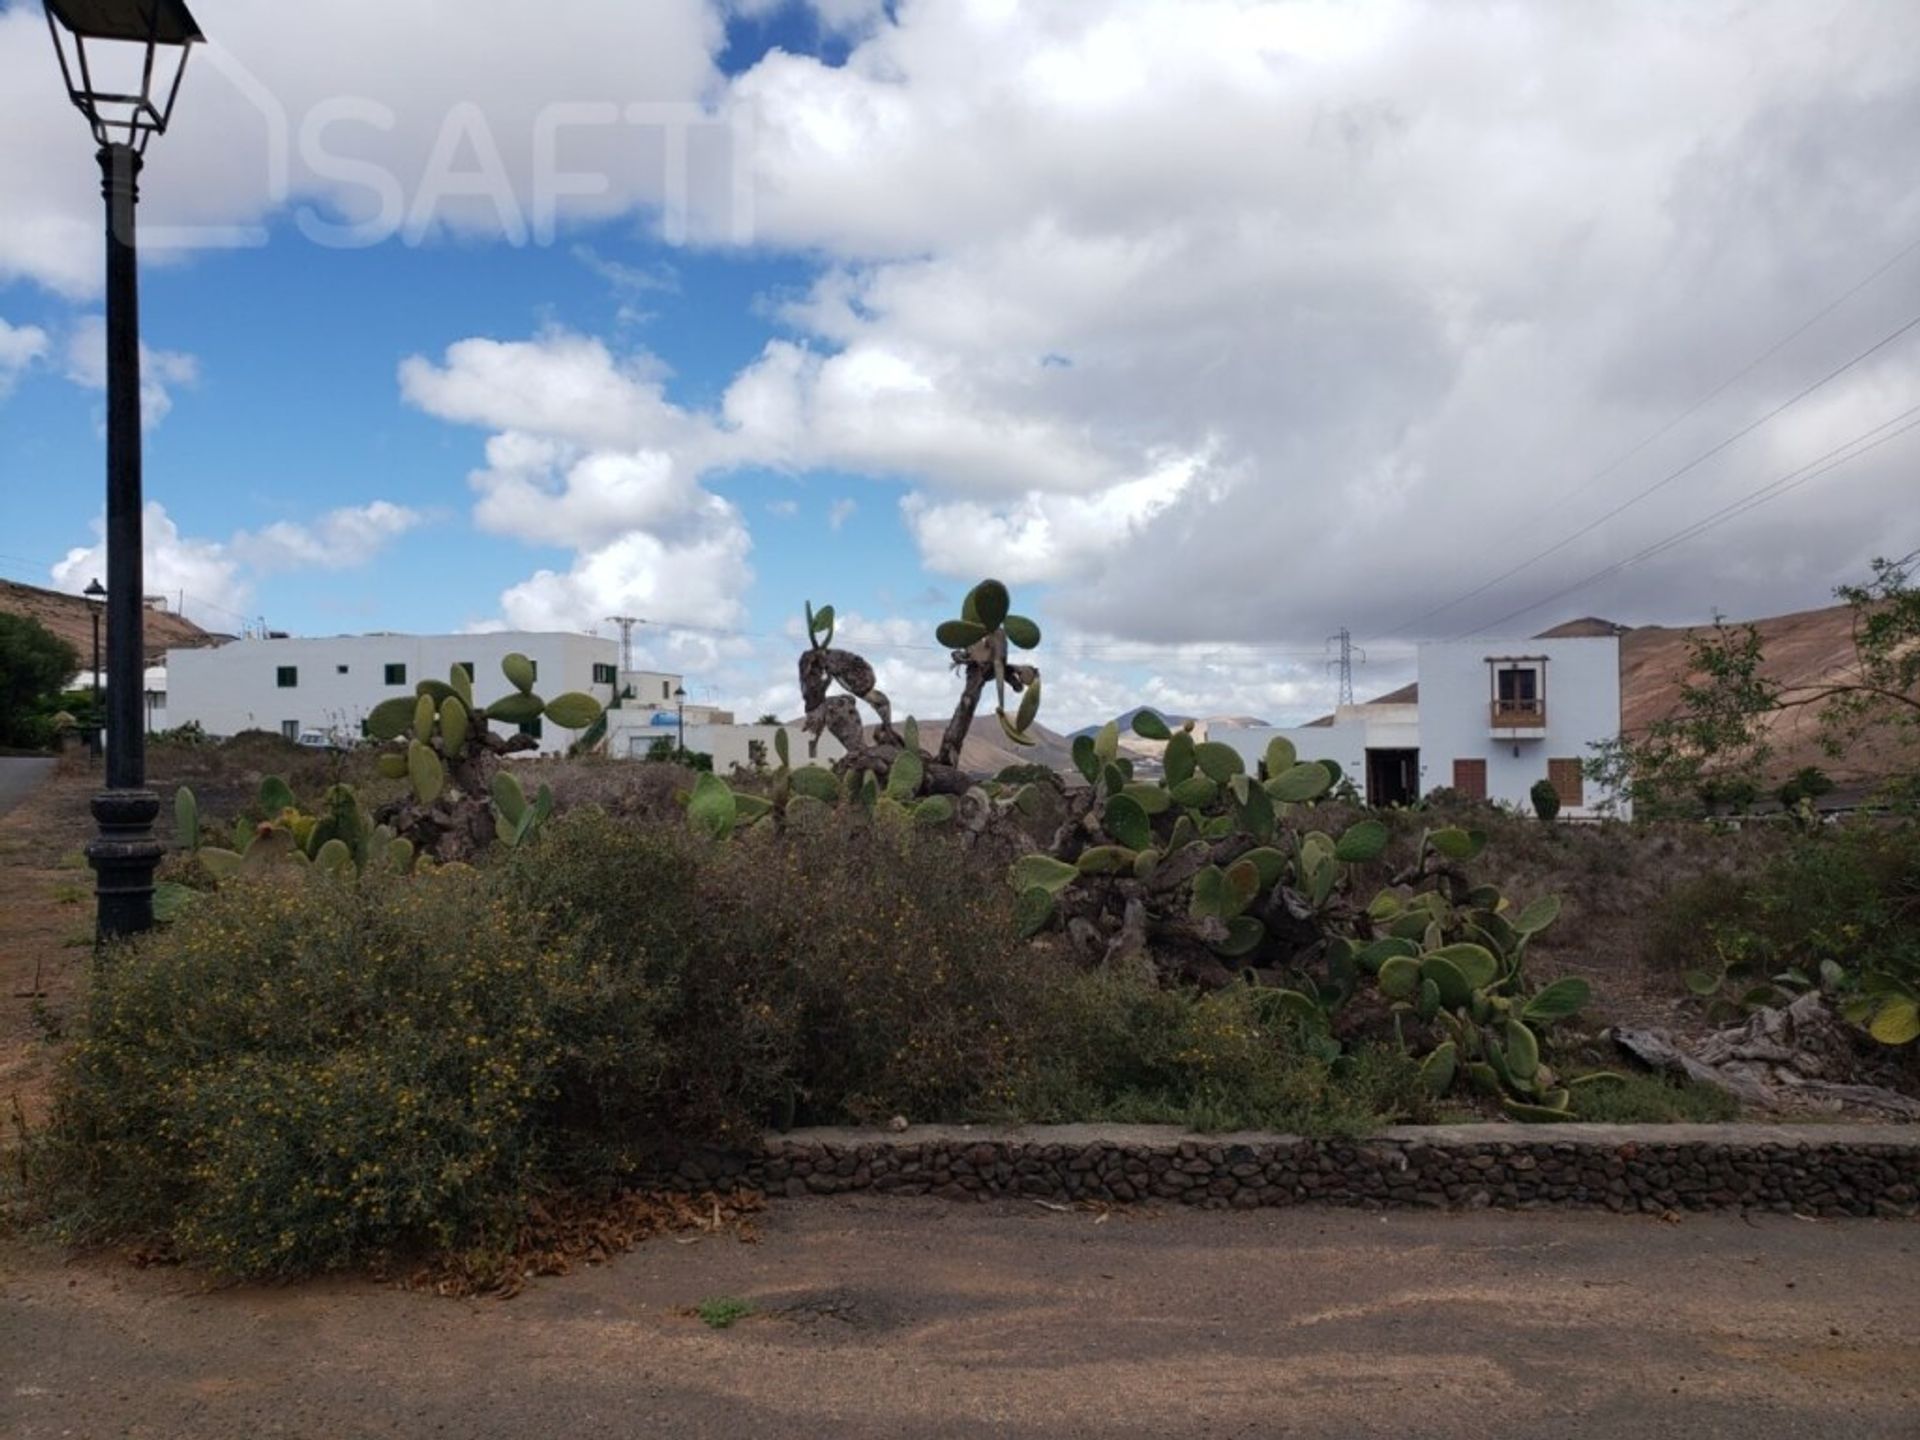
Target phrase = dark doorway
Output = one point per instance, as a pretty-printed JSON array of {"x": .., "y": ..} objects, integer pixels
[{"x": 1393, "y": 777}]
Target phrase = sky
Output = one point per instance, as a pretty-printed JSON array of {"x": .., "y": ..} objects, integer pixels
[{"x": 1209, "y": 326}]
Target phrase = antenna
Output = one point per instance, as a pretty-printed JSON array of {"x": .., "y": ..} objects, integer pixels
[
  {"x": 1343, "y": 662},
  {"x": 626, "y": 624}
]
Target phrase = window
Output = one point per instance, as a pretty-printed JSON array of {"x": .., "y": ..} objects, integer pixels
[
  {"x": 531, "y": 727},
  {"x": 290, "y": 729},
  {"x": 664, "y": 692},
  {"x": 339, "y": 669},
  {"x": 286, "y": 677},
  {"x": 1519, "y": 685},
  {"x": 1519, "y": 690},
  {"x": 396, "y": 674},
  {"x": 1568, "y": 781},
  {"x": 466, "y": 665},
  {"x": 604, "y": 674},
  {"x": 1470, "y": 778}
]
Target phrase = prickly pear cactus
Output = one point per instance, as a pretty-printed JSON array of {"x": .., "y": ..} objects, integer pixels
[
  {"x": 339, "y": 838},
  {"x": 904, "y": 772},
  {"x": 448, "y": 752}
]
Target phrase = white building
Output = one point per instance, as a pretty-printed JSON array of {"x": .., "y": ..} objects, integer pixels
[
  {"x": 1487, "y": 719},
  {"x": 332, "y": 683},
  {"x": 154, "y": 686},
  {"x": 653, "y": 708}
]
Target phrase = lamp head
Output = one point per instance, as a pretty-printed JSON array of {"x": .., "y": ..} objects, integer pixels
[{"x": 122, "y": 61}]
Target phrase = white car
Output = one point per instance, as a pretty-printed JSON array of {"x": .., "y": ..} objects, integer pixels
[{"x": 319, "y": 740}]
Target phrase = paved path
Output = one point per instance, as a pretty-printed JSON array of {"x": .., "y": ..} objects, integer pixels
[
  {"x": 19, "y": 774},
  {"x": 926, "y": 1319}
]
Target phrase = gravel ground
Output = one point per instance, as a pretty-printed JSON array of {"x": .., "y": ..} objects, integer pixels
[{"x": 925, "y": 1318}]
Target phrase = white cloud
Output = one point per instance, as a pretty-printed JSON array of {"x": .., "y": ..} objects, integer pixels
[
  {"x": 840, "y": 512},
  {"x": 205, "y": 570},
  {"x": 1384, "y": 281},
  {"x": 217, "y": 578},
  {"x": 20, "y": 346},
  {"x": 339, "y": 112},
  {"x": 557, "y": 386},
  {"x": 160, "y": 370},
  {"x": 1042, "y": 537},
  {"x": 336, "y": 541},
  {"x": 589, "y": 454},
  {"x": 697, "y": 580}
]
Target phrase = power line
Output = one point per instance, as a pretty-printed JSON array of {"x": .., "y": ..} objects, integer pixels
[
  {"x": 1664, "y": 480},
  {"x": 1792, "y": 480},
  {"x": 1718, "y": 390}
]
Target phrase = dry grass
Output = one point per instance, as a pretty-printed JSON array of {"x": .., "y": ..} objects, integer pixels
[
  {"x": 46, "y": 929},
  {"x": 1610, "y": 879}
]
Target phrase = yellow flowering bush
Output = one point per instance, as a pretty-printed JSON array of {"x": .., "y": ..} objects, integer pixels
[{"x": 305, "y": 1074}]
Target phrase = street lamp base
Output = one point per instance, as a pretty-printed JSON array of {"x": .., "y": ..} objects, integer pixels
[{"x": 124, "y": 856}]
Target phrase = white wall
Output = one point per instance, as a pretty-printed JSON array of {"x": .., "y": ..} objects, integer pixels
[
  {"x": 650, "y": 687},
  {"x": 1355, "y": 730},
  {"x": 340, "y": 678},
  {"x": 631, "y": 733},
  {"x": 1582, "y": 708},
  {"x": 728, "y": 745}
]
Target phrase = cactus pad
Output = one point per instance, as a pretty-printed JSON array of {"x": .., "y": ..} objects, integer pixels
[
  {"x": 573, "y": 710},
  {"x": 519, "y": 672}
]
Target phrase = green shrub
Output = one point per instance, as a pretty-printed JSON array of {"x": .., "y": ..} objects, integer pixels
[
  {"x": 1839, "y": 909},
  {"x": 1808, "y": 783},
  {"x": 1117, "y": 1046},
  {"x": 1649, "y": 1099},
  {"x": 299, "y": 1076},
  {"x": 1546, "y": 799}
]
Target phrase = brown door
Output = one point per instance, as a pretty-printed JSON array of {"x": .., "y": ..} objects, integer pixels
[
  {"x": 1567, "y": 781},
  {"x": 1470, "y": 778}
]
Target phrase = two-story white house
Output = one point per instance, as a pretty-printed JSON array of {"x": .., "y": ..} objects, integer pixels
[
  {"x": 1486, "y": 718},
  {"x": 331, "y": 683}
]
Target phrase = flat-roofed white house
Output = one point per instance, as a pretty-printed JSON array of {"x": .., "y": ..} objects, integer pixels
[
  {"x": 331, "y": 683},
  {"x": 1487, "y": 718},
  {"x": 653, "y": 707}
]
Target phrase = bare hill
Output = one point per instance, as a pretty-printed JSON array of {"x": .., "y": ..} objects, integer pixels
[
  {"x": 987, "y": 751},
  {"x": 70, "y": 617},
  {"x": 1805, "y": 648}
]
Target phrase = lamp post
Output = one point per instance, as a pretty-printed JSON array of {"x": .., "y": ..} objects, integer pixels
[
  {"x": 96, "y": 594},
  {"x": 118, "y": 50},
  {"x": 680, "y": 705}
]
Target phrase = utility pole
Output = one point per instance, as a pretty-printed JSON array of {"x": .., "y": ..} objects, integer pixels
[
  {"x": 1343, "y": 662},
  {"x": 626, "y": 624}
]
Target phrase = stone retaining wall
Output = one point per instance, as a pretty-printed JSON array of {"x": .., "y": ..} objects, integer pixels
[{"x": 1813, "y": 1170}]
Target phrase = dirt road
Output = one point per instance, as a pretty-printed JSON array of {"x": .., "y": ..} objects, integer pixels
[
  {"x": 19, "y": 775},
  {"x": 923, "y": 1318}
]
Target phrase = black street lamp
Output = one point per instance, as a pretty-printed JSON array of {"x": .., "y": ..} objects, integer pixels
[
  {"x": 119, "y": 48},
  {"x": 96, "y": 594},
  {"x": 680, "y": 704}
]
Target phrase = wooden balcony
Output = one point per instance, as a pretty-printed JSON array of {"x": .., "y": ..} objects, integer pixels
[{"x": 1519, "y": 714}]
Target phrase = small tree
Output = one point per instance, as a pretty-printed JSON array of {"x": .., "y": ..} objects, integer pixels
[
  {"x": 1716, "y": 743},
  {"x": 1546, "y": 800},
  {"x": 35, "y": 665}
]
